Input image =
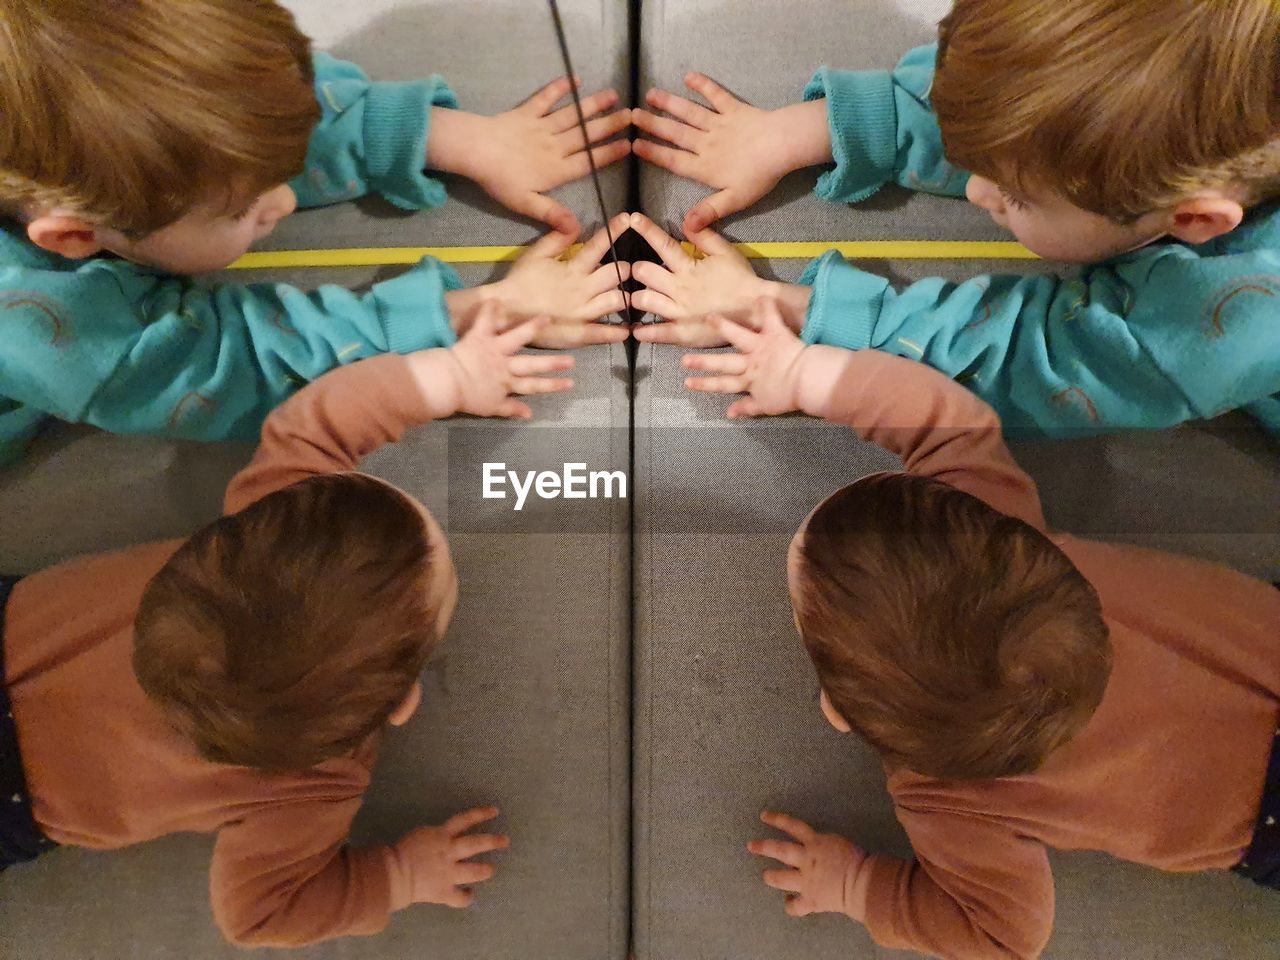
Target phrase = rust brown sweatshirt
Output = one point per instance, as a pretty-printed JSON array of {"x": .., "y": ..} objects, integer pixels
[
  {"x": 1169, "y": 771},
  {"x": 105, "y": 769}
]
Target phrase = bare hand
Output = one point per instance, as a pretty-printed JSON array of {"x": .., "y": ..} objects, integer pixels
[
  {"x": 439, "y": 858},
  {"x": 573, "y": 292},
  {"x": 689, "y": 290},
  {"x": 821, "y": 867},
  {"x": 737, "y": 149},
  {"x": 489, "y": 368},
  {"x": 766, "y": 366},
  {"x": 519, "y": 155}
]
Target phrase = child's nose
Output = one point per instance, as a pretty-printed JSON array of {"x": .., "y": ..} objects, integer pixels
[{"x": 985, "y": 194}]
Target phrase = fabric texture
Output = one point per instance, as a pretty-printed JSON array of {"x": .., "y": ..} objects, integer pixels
[
  {"x": 1154, "y": 338},
  {"x": 134, "y": 350},
  {"x": 20, "y": 838},
  {"x": 1261, "y": 862}
]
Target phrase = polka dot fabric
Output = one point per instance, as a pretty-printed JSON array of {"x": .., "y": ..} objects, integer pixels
[{"x": 20, "y": 838}]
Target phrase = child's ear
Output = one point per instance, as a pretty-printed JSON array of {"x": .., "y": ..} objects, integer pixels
[
  {"x": 68, "y": 237},
  {"x": 833, "y": 715},
  {"x": 1205, "y": 218},
  {"x": 408, "y": 706}
]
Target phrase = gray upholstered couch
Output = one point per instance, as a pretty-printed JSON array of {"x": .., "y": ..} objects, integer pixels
[{"x": 623, "y": 678}]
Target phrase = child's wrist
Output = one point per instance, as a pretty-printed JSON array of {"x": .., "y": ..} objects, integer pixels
[
  {"x": 792, "y": 299},
  {"x": 400, "y": 876},
  {"x": 857, "y": 879},
  {"x": 452, "y": 138},
  {"x": 817, "y": 371},
  {"x": 804, "y": 135}
]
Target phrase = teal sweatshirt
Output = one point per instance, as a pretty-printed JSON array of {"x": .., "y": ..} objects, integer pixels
[
  {"x": 135, "y": 350},
  {"x": 1150, "y": 339}
]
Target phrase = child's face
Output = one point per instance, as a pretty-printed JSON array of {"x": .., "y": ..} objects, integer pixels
[
  {"x": 1055, "y": 229},
  {"x": 205, "y": 240}
]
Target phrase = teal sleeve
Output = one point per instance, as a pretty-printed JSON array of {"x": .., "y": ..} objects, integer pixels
[
  {"x": 372, "y": 137},
  {"x": 1267, "y": 413},
  {"x": 1148, "y": 342},
  {"x": 883, "y": 130},
  {"x": 132, "y": 352}
]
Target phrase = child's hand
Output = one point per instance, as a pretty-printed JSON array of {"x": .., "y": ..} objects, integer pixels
[
  {"x": 738, "y": 149},
  {"x": 766, "y": 366},
  {"x": 487, "y": 369},
  {"x": 689, "y": 289},
  {"x": 573, "y": 292},
  {"x": 822, "y": 867},
  {"x": 438, "y": 859},
  {"x": 519, "y": 155}
]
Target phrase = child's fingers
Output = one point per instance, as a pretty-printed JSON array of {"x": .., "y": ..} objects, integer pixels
[
  {"x": 579, "y": 166},
  {"x": 597, "y": 130},
  {"x": 789, "y": 853},
  {"x": 745, "y": 408},
  {"x": 472, "y": 872},
  {"x": 658, "y": 304},
  {"x": 474, "y": 844},
  {"x": 767, "y": 315},
  {"x": 599, "y": 334},
  {"x": 713, "y": 208},
  {"x": 742, "y": 338},
  {"x": 521, "y": 335},
  {"x": 615, "y": 301},
  {"x": 666, "y": 246},
  {"x": 708, "y": 241},
  {"x": 469, "y": 819},
  {"x": 673, "y": 131},
  {"x": 798, "y": 906},
  {"x": 717, "y": 384},
  {"x": 680, "y": 162},
  {"x": 540, "y": 103},
  {"x": 537, "y": 206},
  {"x": 515, "y": 410},
  {"x": 459, "y": 898},
  {"x": 566, "y": 118},
  {"x": 593, "y": 250},
  {"x": 691, "y": 113},
  {"x": 605, "y": 278},
  {"x": 525, "y": 365},
  {"x": 789, "y": 880},
  {"x": 534, "y": 386},
  {"x": 727, "y": 364},
  {"x": 798, "y": 829},
  {"x": 552, "y": 245},
  {"x": 655, "y": 277},
  {"x": 716, "y": 95}
]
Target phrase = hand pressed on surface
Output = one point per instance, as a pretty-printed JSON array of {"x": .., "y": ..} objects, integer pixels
[
  {"x": 766, "y": 366},
  {"x": 821, "y": 868},
  {"x": 438, "y": 859},
  {"x": 486, "y": 368},
  {"x": 735, "y": 148},
  {"x": 574, "y": 292},
  {"x": 517, "y": 156}
]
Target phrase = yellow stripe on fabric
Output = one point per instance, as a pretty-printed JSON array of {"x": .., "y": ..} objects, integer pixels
[{"x": 853, "y": 250}]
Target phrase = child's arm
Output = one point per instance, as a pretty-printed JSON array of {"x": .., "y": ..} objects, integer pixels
[
  {"x": 975, "y": 890},
  {"x": 285, "y": 876},
  {"x": 938, "y": 429},
  {"x": 878, "y": 126},
  {"x": 1147, "y": 341},
  {"x": 340, "y": 419},
  {"x": 384, "y": 137}
]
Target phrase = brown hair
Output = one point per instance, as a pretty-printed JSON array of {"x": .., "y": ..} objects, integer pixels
[
  {"x": 288, "y": 633},
  {"x": 134, "y": 113},
  {"x": 1122, "y": 106},
  {"x": 959, "y": 642}
]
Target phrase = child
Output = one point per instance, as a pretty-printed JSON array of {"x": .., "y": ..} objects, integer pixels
[
  {"x": 165, "y": 139},
  {"x": 1025, "y": 689},
  {"x": 238, "y": 682},
  {"x": 1139, "y": 136}
]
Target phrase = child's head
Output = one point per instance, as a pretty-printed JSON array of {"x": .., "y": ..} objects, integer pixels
[
  {"x": 162, "y": 132},
  {"x": 1097, "y": 126},
  {"x": 287, "y": 634},
  {"x": 957, "y": 641}
]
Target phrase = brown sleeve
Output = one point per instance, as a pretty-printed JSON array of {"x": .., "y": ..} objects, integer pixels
[
  {"x": 285, "y": 877},
  {"x": 331, "y": 425},
  {"x": 976, "y": 891},
  {"x": 938, "y": 428}
]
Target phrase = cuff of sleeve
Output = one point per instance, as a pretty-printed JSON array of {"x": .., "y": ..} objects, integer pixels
[
  {"x": 413, "y": 308},
  {"x": 18, "y": 427},
  {"x": 885, "y": 877},
  {"x": 1267, "y": 413},
  {"x": 845, "y": 304},
  {"x": 864, "y": 131},
  {"x": 397, "y": 125}
]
